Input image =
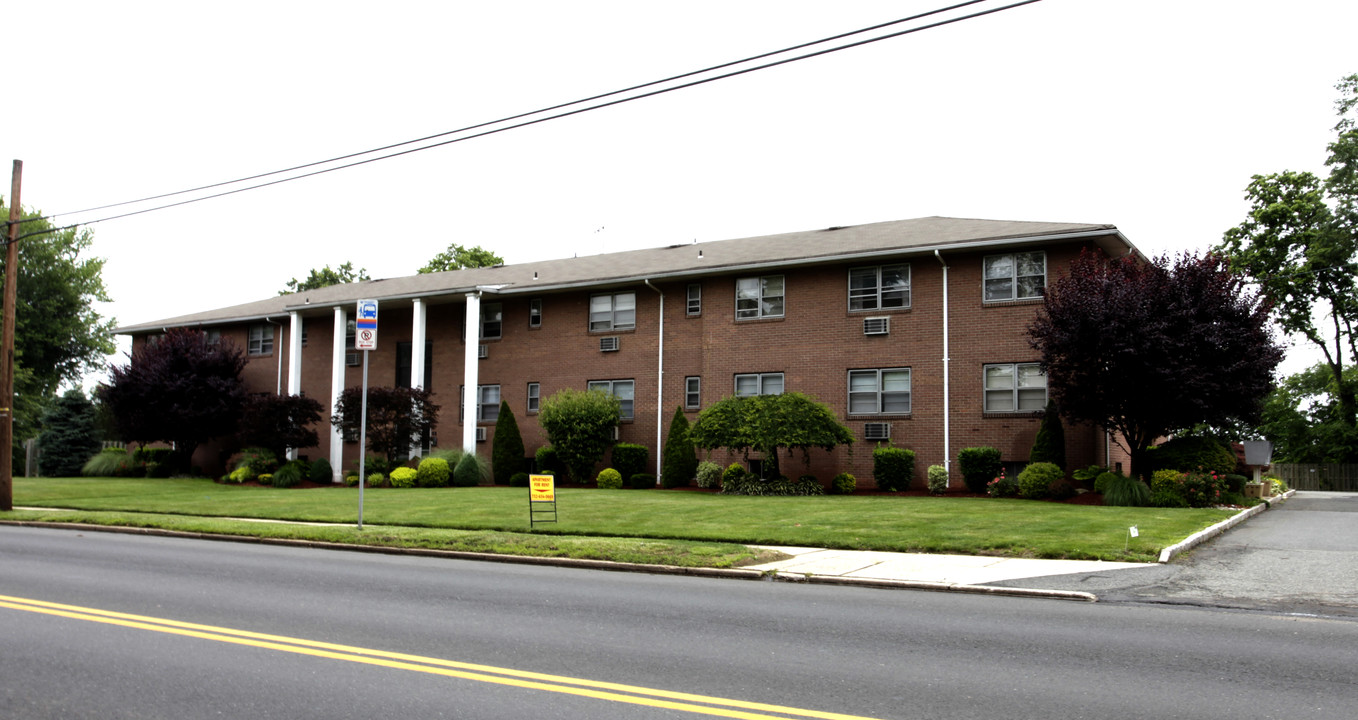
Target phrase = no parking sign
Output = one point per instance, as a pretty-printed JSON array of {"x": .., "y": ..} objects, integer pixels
[{"x": 365, "y": 325}]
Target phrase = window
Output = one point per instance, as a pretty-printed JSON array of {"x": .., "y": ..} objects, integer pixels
[
  {"x": 695, "y": 299},
  {"x": 879, "y": 391},
  {"x": 212, "y": 337},
  {"x": 613, "y": 312},
  {"x": 1017, "y": 387},
  {"x": 759, "y": 384},
  {"x": 487, "y": 402},
  {"x": 535, "y": 312},
  {"x": 693, "y": 392},
  {"x": 1019, "y": 276},
  {"x": 620, "y": 389},
  {"x": 405, "y": 364},
  {"x": 878, "y": 288},
  {"x": 491, "y": 320},
  {"x": 534, "y": 391},
  {"x": 350, "y": 332},
  {"x": 759, "y": 297},
  {"x": 261, "y": 340}
]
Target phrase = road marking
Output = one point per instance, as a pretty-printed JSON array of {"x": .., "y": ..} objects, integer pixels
[{"x": 637, "y": 695}]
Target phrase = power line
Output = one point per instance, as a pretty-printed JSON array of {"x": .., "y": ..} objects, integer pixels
[{"x": 557, "y": 116}]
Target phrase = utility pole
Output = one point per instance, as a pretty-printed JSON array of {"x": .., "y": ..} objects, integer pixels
[{"x": 7, "y": 344}]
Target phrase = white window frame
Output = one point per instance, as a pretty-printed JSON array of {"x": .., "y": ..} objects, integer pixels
[
  {"x": 620, "y": 313},
  {"x": 534, "y": 397},
  {"x": 693, "y": 392},
  {"x": 535, "y": 312},
  {"x": 1013, "y": 388},
  {"x": 872, "y": 388},
  {"x": 260, "y": 343},
  {"x": 627, "y": 401},
  {"x": 484, "y": 394},
  {"x": 760, "y": 297},
  {"x": 763, "y": 383},
  {"x": 873, "y": 297},
  {"x": 492, "y": 320},
  {"x": 695, "y": 299},
  {"x": 1001, "y": 280}
]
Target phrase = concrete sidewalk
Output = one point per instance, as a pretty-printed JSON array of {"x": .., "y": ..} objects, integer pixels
[{"x": 909, "y": 567}]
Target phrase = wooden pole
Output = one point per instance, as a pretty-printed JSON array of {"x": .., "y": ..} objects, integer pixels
[{"x": 7, "y": 344}]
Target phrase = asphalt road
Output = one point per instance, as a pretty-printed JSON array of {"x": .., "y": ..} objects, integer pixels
[
  {"x": 416, "y": 637},
  {"x": 1300, "y": 557}
]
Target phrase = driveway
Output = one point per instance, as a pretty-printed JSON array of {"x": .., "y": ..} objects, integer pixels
[{"x": 1298, "y": 557}]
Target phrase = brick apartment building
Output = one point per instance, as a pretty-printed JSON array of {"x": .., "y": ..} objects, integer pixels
[{"x": 911, "y": 330}]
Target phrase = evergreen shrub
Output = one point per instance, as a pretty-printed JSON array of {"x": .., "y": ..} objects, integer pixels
[
  {"x": 288, "y": 475},
  {"x": 1188, "y": 454},
  {"x": 843, "y": 484},
  {"x": 893, "y": 468},
  {"x": 708, "y": 474},
  {"x": 642, "y": 481},
  {"x": 979, "y": 465},
  {"x": 609, "y": 479},
  {"x": 938, "y": 479},
  {"x": 630, "y": 459},
  {"x": 520, "y": 479},
  {"x": 1050, "y": 444},
  {"x": 506, "y": 455},
  {"x": 467, "y": 472},
  {"x": 1036, "y": 480},
  {"x": 679, "y": 460},
  {"x": 733, "y": 473},
  {"x": 401, "y": 477},
  {"x": 433, "y": 472},
  {"x": 1127, "y": 492},
  {"x": 322, "y": 472}
]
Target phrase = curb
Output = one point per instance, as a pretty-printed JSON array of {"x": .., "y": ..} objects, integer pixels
[
  {"x": 607, "y": 565},
  {"x": 1203, "y": 536}
]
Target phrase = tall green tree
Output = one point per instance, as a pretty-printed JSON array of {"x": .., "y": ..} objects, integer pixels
[
  {"x": 506, "y": 458},
  {"x": 69, "y": 435},
  {"x": 679, "y": 463},
  {"x": 579, "y": 425},
  {"x": 59, "y": 335},
  {"x": 1303, "y": 418},
  {"x": 768, "y": 424},
  {"x": 326, "y": 277},
  {"x": 457, "y": 257},
  {"x": 1144, "y": 349},
  {"x": 1299, "y": 244}
]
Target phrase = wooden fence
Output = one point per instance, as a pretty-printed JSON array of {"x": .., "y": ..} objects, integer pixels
[{"x": 1318, "y": 477}]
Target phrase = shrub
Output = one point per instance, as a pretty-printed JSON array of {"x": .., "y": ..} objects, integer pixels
[
  {"x": 265, "y": 479},
  {"x": 351, "y": 480},
  {"x": 111, "y": 462},
  {"x": 748, "y": 484},
  {"x": 322, "y": 472},
  {"x": 467, "y": 472},
  {"x": 1202, "y": 489},
  {"x": 979, "y": 465},
  {"x": 1232, "y": 498},
  {"x": 548, "y": 461},
  {"x": 1050, "y": 444},
  {"x": 1035, "y": 481},
  {"x": 893, "y": 468},
  {"x": 1105, "y": 479},
  {"x": 1126, "y": 492},
  {"x": 642, "y": 481},
  {"x": 629, "y": 459},
  {"x": 519, "y": 479},
  {"x": 1165, "y": 498},
  {"x": 377, "y": 479},
  {"x": 70, "y": 435},
  {"x": 1235, "y": 483},
  {"x": 1186, "y": 454},
  {"x": 679, "y": 460},
  {"x": 506, "y": 455},
  {"x": 1001, "y": 486},
  {"x": 432, "y": 472},
  {"x": 609, "y": 479},
  {"x": 580, "y": 426},
  {"x": 258, "y": 461},
  {"x": 402, "y": 477},
  {"x": 938, "y": 479},
  {"x": 289, "y": 475},
  {"x": 708, "y": 474},
  {"x": 1089, "y": 475},
  {"x": 239, "y": 475},
  {"x": 843, "y": 484},
  {"x": 733, "y": 473},
  {"x": 1062, "y": 490}
]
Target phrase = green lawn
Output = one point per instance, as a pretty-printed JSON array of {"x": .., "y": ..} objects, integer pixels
[{"x": 499, "y": 518}]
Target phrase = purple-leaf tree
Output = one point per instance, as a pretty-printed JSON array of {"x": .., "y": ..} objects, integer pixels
[
  {"x": 1145, "y": 349},
  {"x": 397, "y": 418}
]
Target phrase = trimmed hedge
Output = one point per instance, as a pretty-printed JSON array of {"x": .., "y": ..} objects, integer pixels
[
  {"x": 642, "y": 481},
  {"x": 401, "y": 477},
  {"x": 893, "y": 468},
  {"x": 630, "y": 459},
  {"x": 433, "y": 472},
  {"x": 1036, "y": 480},
  {"x": 609, "y": 479},
  {"x": 843, "y": 484},
  {"x": 979, "y": 465}
]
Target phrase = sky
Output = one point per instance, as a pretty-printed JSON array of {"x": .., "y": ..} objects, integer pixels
[{"x": 1151, "y": 115}]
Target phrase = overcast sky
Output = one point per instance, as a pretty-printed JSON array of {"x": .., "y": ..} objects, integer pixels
[{"x": 1147, "y": 114}]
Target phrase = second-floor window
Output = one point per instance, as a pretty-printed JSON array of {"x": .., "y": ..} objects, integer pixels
[
  {"x": 759, "y": 384},
  {"x": 1017, "y": 276},
  {"x": 613, "y": 312},
  {"x": 759, "y": 297},
  {"x": 261, "y": 340},
  {"x": 534, "y": 393},
  {"x": 492, "y": 320},
  {"x": 879, "y": 288},
  {"x": 695, "y": 299},
  {"x": 1015, "y": 387},
  {"x": 693, "y": 392},
  {"x": 535, "y": 312}
]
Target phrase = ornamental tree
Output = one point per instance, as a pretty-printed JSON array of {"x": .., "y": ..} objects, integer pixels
[
  {"x": 579, "y": 425},
  {"x": 1144, "y": 349},
  {"x": 397, "y": 417},
  {"x": 279, "y": 422},
  {"x": 180, "y": 389},
  {"x": 769, "y": 423}
]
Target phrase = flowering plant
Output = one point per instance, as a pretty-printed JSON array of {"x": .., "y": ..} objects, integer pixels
[
  {"x": 1202, "y": 488},
  {"x": 1001, "y": 487}
]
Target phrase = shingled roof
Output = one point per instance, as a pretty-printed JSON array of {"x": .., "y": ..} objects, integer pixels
[{"x": 836, "y": 244}]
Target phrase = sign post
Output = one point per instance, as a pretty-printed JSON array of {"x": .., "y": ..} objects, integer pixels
[
  {"x": 365, "y": 339},
  {"x": 541, "y": 499}
]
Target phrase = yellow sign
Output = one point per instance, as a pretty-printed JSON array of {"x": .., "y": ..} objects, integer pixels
[{"x": 541, "y": 488}]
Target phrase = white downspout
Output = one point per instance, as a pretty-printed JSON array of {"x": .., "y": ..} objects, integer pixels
[
  {"x": 660, "y": 386},
  {"x": 947, "y": 410}
]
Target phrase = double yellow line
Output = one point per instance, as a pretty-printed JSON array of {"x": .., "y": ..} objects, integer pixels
[{"x": 614, "y": 692}]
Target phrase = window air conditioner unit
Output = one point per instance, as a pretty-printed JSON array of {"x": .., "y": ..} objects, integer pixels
[
  {"x": 482, "y": 352},
  {"x": 351, "y": 359},
  {"x": 877, "y": 431},
  {"x": 480, "y": 434},
  {"x": 877, "y": 326},
  {"x": 609, "y": 344}
]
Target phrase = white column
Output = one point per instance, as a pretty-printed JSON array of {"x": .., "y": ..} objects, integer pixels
[
  {"x": 337, "y": 366},
  {"x": 294, "y": 363},
  {"x": 417, "y": 335},
  {"x": 472, "y": 338}
]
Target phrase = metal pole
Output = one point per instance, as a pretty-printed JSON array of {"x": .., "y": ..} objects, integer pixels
[
  {"x": 7, "y": 343},
  {"x": 363, "y": 441}
]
